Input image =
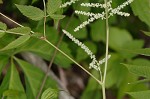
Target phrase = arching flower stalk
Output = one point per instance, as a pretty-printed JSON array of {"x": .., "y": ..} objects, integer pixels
[{"x": 94, "y": 64}]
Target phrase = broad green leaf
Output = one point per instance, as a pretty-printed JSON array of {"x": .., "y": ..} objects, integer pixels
[
  {"x": 140, "y": 94},
  {"x": 45, "y": 50},
  {"x": 98, "y": 30},
  {"x": 144, "y": 51},
  {"x": 147, "y": 33},
  {"x": 50, "y": 94},
  {"x": 56, "y": 16},
  {"x": 15, "y": 84},
  {"x": 2, "y": 33},
  {"x": 20, "y": 30},
  {"x": 3, "y": 26},
  {"x": 3, "y": 62},
  {"x": 71, "y": 25},
  {"x": 31, "y": 12},
  {"x": 81, "y": 54},
  {"x": 11, "y": 85},
  {"x": 118, "y": 37},
  {"x": 16, "y": 43},
  {"x": 34, "y": 76},
  {"x": 139, "y": 70},
  {"x": 53, "y": 6},
  {"x": 131, "y": 45},
  {"x": 141, "y": 8}
]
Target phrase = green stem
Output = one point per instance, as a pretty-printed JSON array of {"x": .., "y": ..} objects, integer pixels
[
  {"x": 45, "y": 15},
  {"x": 74, "y": 61},
  {"x": 106, "y": 54}
]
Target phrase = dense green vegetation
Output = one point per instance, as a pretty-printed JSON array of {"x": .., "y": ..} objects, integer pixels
[{"x": 37, "y": 60}]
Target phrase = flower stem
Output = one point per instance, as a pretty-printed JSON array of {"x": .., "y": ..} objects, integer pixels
[{"x": 106, "y": 54}]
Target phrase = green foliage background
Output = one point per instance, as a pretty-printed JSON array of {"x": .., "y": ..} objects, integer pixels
[{"x": 126, "y": 44}]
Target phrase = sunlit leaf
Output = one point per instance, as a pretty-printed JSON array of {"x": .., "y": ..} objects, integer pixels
[
  {"x": 53, "y": 6},
  {"x": 31, "y": 12},
  {"x": 16, "y": 43},
  {"x": 50, "y": 94},
  {"x": 20, "y": 30}
]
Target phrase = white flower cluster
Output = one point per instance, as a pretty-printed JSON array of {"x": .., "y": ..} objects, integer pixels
[
  {"x": 91, "y": 19},
  {"x": 68, "y": 3},
  {"x": 97, "y": 5},
  {"x": 94, "y": 64},
  {"x": 94, "y": 16}
]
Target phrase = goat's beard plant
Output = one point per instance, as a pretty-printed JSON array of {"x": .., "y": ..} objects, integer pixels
[{"x": 105, "y": 15}]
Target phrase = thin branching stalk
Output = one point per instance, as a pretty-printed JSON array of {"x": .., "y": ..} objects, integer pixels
[
  {"x": 73, "y": 61},
  {"x": 12, "y": 20},
  {"x": 106, "y": 54}
]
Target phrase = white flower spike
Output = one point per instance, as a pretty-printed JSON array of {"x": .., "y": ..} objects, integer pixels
[
  {"x": 68, "y": 3},
  {"x": 94, "y": 64},
  {"x": 93, "y": 16}
]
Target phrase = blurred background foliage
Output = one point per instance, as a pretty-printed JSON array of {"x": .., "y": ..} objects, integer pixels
[{"x": 125, "y": 33}]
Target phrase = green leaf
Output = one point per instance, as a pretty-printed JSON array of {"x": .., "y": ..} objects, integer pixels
[
  {"x": 144, "y": 13},
  {"x": 31, "y": 12},
  {"x": 11, "y": 93},
  {"x": 3, "y": 26},
  {"x": 98, "y": 31},
  {"x": 2, "y": 33},
  {"x": 58, "y": 17},
  {"x": 45, "y": 50},
  {"x": 145, "y": 51},
  {"x": 3, "y": 62},
  {"x": 53, "y": 6},
  {"x": 139, "y": 70},
  {"x": 50, "y": 94},
  {"x": 131, "y": 45},
  {"x": 20, "y": 30},
  {"x": 34, "y": 77},
  {"x": 118, "y": 37},
  {"x": 147, "y": 33},
  {"x": 16, "y": 43},
  {"x": 140, "y": 94},
  {"x": 12, "y": 86}
]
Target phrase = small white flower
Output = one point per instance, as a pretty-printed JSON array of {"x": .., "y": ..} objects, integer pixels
[
  {"x": 68, "y": 3},
  {"x": 93, "y": 16}
]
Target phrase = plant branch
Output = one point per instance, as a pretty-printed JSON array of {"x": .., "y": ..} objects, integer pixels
[
  {"x": 45, "y": 15},
  {"x": 106, "y": 54},
  {"x": 12, "y": 20}
]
